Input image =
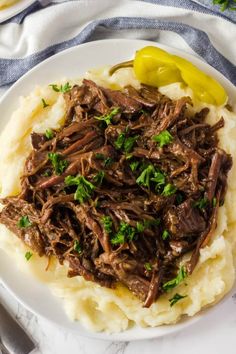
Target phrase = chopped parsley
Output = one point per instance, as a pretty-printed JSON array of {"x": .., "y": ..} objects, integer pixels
[
  {"x": 169, "y": 190},
  {"x": 176, "y": 298},
  {"x": 107, "y": 223},
  {"x": 141, "y": 226},
  {"x": 144, "y": 178},
  {"x": 49, "y": 134},
  {"x": 201, "y": 203},
  {"x": 159, "y": 179},
  {"x": 24, "y": 222},
  {"x": 125, "y": 143},
  {"x": 124, "y": 234},
  {"x": 154, "y": 222},
  {"x": 100, "y": 156},
  {"x": 150, "y": 174},
  {"x": 107, "y": 118},
  {"x": 28, "y": 255},
  {"x": 120, "y": 141},
  {"x": 134, "y": 165},
  {"x": 129, "y": 143},
  {"x": 225, "y": 4},
  {"x": 45, "y": 104},
  {"x": 182, "y": 274},
  {"x": 128, "y": 156},
  {"x": 164, "y": 138},
  {"x": 47, "y": 173},
  {"x": 58, "y": 163},
  {"x": 108, "y": 161},
  {"x": 61, "y": 88},
  {"x": 77, "y": 246},
  {"x": 214, "y": 202},
  {"x": 165, "y": 234},
  {"x": 98, "y": 178},
  {"x": 84, "y": 188},
  {"x": 148, "y": 266}
]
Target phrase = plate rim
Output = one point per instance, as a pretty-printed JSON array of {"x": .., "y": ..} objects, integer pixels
[{"x": 10, "y": 11}]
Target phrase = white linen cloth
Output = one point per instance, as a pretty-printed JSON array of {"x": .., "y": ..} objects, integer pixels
[{"x": 47, "y": 27}]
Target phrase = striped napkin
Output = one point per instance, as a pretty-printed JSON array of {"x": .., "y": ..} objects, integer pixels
[{"x": 48, "y": 27}]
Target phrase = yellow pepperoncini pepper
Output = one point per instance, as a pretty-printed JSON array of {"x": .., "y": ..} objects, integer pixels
[{"x": 154, "y": 66}]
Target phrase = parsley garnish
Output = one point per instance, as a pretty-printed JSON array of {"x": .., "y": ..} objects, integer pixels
[
  {"x": 148, "y": 266},
  {"x": 149, "y": 174},
  {"x": 47, "y": 173},
  {"x": 225, "y": 4},
  {"x": 164, "y": 138},
  {"x": 108, "y": 161},
  {"x": 45, "y": 104},
  {"x": 98, "y": 178},
  {"x": 201, "y": 203},
  {"x": 141, "y": 226},
  {"x": 176, "y": 281},
  {"x": 159, "y": 179},
  {"x": 120, "y": 141},
  {"x": 49, "y": 134},
  {"x": 107, "y": 118},
  {"x": 214, "y": 202},
  {"x": 84, "y": 187},
  {"x": 125, "y": 143},
  {"x": 128, "y": 156},
  {"x": 176, "y": 298},
  {"x": 144, "y": 178},
  {"x": 155, "y": 222},
  {"x": 100, "y": 156},
  {"x": 107, "y": 223},
  {"x": 77, "y": 246},
  {"x": 24, "y": 222},
  {"x": 165, "y": 234},
  {"x": 58, "y": 163},
  {"x": 134, "y": 165},
  {"x": 169, "y": 190},
  {"x": 129, "y": 143},
  {"x": 124, "y": 234},
  {"x": 61, "y": 88},
  {"x": 28, "y": 255}
]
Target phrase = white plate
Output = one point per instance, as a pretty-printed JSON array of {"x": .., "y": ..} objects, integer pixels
[
  {"x": 14, "y": 9},
  {"x": 73, "y": 63}
]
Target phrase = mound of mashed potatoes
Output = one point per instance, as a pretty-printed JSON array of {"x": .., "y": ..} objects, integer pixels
[{"x": 99, "y": 308}]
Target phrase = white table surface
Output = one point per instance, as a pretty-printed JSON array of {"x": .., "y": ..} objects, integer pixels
[{"x": 214, "y": 334}]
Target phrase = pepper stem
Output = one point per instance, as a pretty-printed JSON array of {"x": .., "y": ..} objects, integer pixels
[{"x": 125, "y": 64}]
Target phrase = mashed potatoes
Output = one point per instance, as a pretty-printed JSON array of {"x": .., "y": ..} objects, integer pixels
[{"x": 96, "y": 307}]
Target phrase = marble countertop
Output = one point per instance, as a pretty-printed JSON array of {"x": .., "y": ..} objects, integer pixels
[{"x": 213, "y": 334}]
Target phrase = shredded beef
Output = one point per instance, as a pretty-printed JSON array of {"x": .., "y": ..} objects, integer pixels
[{"x": 109, "y": 140}]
